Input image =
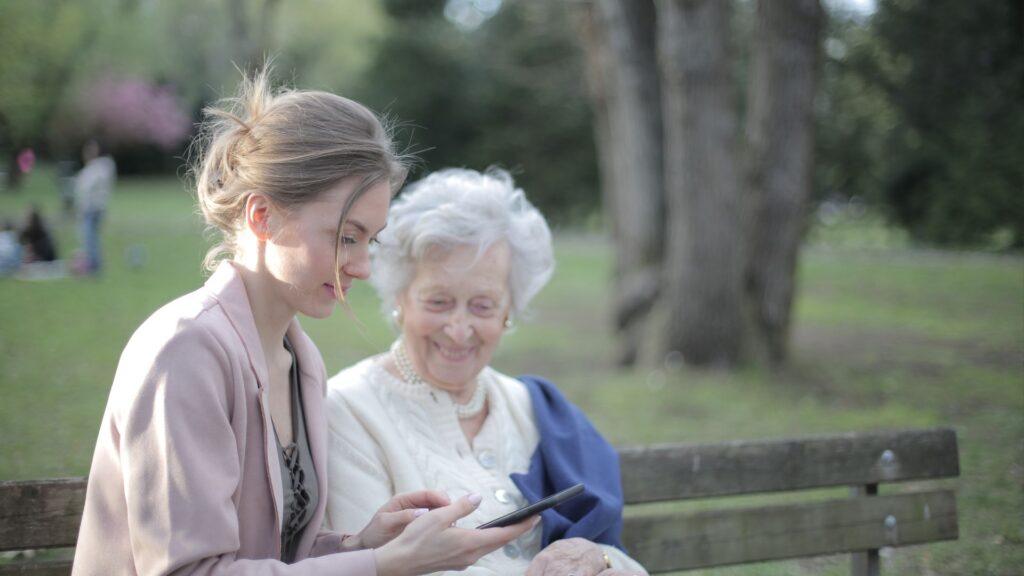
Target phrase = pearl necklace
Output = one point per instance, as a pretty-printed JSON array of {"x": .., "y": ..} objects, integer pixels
[{"x": 464, "y": 411}]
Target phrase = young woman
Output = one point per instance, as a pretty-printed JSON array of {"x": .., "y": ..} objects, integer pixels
[{"x": 211, "y": 457}]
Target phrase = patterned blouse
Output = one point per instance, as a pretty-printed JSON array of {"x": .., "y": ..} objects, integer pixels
[{"x": 301, "y": 491}]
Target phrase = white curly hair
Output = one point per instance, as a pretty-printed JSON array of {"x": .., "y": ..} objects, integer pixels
[{"x": 459, "y": 207}]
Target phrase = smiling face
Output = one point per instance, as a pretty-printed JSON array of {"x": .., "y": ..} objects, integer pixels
[
  {"x": 300, "y": 254},
  {"x": 453, "y": 315}
]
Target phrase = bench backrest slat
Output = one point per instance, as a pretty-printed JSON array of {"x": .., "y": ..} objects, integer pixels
[
  {"x": 40, "y": 514},
  {"x": 47, "y": 568},
  {"x": 686, "y": 540},
  {"x": 686, "y": 471}
]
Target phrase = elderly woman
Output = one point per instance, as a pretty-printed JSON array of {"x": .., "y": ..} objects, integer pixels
[{"x": 461, "y": 257}]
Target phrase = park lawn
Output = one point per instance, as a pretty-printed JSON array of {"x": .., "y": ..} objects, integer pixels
[{"x": 883, "y": 338}]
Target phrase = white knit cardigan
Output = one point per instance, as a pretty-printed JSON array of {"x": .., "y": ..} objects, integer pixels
[{"x": 387, "y": 437}]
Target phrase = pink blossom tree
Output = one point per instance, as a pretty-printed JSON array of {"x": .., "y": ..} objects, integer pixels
[{"x": 127, "y": 110}]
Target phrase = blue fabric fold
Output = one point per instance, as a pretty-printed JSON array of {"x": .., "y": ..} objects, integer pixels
[{"x": 571, "y": 451}]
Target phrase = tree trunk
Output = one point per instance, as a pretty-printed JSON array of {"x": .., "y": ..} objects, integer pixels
[
  {"x": 704, "y": 260},
  {"x": 780, "y": 139},
  {"x": 619, "y": 36}
]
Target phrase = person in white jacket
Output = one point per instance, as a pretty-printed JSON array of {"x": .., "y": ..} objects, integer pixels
[
  {"x": 93, "y": 185},
  {"x": 462, "y": 255}
]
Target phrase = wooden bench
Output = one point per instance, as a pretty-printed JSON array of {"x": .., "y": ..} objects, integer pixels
[
  {"x": 45, "y": 513},
  {"x": 862, "y": 523}
]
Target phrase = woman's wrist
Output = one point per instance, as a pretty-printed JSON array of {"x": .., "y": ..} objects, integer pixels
[
  {"x": 351, "y": 543},
  {"x": 387, "y": 563}
]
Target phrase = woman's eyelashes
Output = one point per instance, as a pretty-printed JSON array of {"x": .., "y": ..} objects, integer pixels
[
  {"x": 349, "y": 240},
  {"x": 437, "y": 304},
  {"x": 482, "y": 308}
]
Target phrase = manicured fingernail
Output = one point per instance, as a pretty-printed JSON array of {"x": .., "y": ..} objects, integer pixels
[
  {"x": 419, "y": 512},
  {"x": 475, "y": 499}
]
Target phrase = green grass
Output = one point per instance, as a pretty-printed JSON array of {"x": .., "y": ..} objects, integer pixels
[{"x": 884, "y": 337}]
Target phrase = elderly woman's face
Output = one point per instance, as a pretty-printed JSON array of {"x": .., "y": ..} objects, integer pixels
[{"x": 453, "y": 315}]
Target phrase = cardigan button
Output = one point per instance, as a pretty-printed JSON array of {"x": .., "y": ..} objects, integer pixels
[{"x": 487, "y": 459}]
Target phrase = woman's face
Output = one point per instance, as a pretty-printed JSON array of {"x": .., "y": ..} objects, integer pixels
[
  {"x": 300, "y": 255},
  {"x": 453, "y": 314}
]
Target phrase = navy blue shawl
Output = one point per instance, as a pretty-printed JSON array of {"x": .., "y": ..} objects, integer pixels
[{"x": 571, "y": 451}]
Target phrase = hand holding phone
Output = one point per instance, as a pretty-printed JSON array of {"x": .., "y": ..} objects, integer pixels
[{"x": 535, "y": 508}]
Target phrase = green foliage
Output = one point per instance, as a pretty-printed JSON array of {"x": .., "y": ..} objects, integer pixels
[
  {"x": 39, "y": 45},
  {"x": 508, "y": 93},
  {"x": 959, "y": 173},
  {"x": 408, "y": 9},
  {"x": 918, "y": 112},
  {"x": 52, "y": 50},
  {"x": 924, "y": 118},
  {"x": 852, "y": 118}
]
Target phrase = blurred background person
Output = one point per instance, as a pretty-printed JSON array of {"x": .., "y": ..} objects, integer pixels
[
  {"x": 10, "y": 248},
  {"x": 26, "y": 161},
  {"x": 35, "y": 238},
  {"x": 92, "y": 194}
]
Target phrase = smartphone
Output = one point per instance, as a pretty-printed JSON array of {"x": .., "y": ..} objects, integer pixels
[{"x": 535, "y": 508}]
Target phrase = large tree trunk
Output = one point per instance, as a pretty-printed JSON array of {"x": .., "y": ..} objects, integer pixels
[
  {"x": 704, "y": 260},
  {"x": 622, "y": 73},
  {"x": 729, "y": 261},
  {"x": 780, "y": 138}
]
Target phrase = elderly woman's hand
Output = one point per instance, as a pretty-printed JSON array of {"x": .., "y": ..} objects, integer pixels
[{"x": 572, "y": 556}]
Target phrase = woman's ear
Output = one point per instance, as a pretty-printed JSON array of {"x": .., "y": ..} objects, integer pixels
[{"x": 257, "y": 215}]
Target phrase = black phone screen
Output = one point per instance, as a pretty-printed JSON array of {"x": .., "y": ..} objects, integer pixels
[{"x": 535, "y": 508}]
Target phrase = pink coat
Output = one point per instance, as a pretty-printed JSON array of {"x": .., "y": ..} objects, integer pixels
[{"x": 185, "y": 478}]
